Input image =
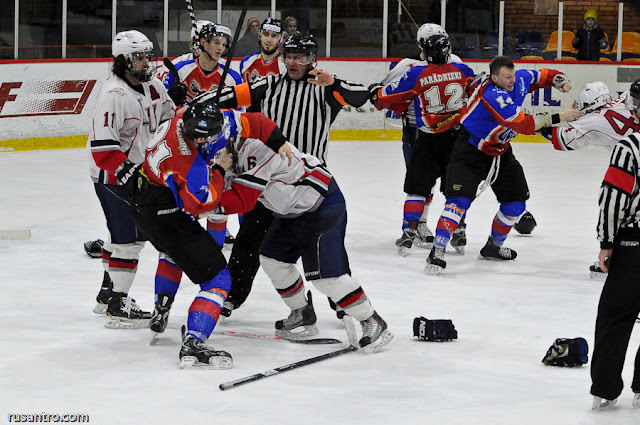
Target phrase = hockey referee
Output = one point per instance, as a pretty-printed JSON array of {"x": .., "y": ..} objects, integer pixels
[
  {"x": 303, "y": 102},
  {"x": 619, "y": 235}
]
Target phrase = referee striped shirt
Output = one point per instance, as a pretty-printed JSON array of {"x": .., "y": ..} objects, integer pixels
[
  {"x": 303, "y": 111},
  {"x": 619, "y": 193}
]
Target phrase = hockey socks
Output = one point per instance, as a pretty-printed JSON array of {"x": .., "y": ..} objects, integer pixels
[
  {"x": 168, "y": 276},
  {"x": 205, "y": 308},
  {"x": 504, "y": 220},
  {"x": 414, "y": 206},
  {"x": 217, "y": 227},
  {"x": 449, "y": 221}
]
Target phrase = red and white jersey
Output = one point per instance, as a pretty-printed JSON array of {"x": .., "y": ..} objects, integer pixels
[
  {"x": 287, "y": 190},
  {"x": 254, "y": 66},
  {"x": 124, "y": 121},
  {"x": 604, "y": 127}
]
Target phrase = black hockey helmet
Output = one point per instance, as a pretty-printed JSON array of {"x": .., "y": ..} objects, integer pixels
[
  {"x": 436, "y": 48},
  {"x": 271, "y": 24},
  {"x": 202, "y": 119},
  {"x": 633, "y": 100},
  {"x": 301, "y": 43}
]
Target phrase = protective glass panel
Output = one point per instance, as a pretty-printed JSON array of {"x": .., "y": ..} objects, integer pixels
[
  {"x": 7, "y": 28},
  {"x": 308, "y": 17},
  {"x": 40, "y": 34},
  {"x": 89, "y": 29},
  {"x": 356, "y": 29},
  {"x": 145, "y": 16}
]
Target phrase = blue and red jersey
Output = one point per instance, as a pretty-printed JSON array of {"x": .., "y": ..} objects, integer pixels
[
  {"x": 198, "y": 80},
  {"x": 437, "y": 92},
  {"x": 185, "y": 167},
  {"x": 494, "y": 116}
]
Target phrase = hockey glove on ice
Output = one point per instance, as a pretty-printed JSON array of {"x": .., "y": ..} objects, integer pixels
[
  {"x": 434, "y": 330},
  {"x": 567, "y": 352},
  {"x": 178, "y": 94},
  {"x": 94, "y": 248}
]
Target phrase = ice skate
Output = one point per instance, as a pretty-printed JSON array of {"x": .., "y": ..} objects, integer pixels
[
  {"x": 300, "y": 317},
  {"x": 103, "y": 296},
  {"x": 227, "y": 308},
  {"x": 405, "y": 242},
  {"x": 375, "y": 334},
  {"x": 600, "y": 403},
  {"x": 196, "y": 355},
  {"x": 160, "y": 316},
  {"x": 492, "y": 251},
  {"x": 424, "y": 237},
  {"x": 435, "y": 261},
  {"x": 636, "y": 401},
  {"x": 125, "y": 313},
  {"x": 459, "y": 237},
  {"x": 229, "y": 240},
  {"x": 595, "y": 272}
]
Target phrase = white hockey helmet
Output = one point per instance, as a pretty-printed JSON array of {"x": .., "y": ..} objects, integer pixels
[
  {"x": 427, "y": 30},
  {"x": 593, "y": 96},
  {"x": 434, "y": 42},
  {"x": 131, "y": 42}
]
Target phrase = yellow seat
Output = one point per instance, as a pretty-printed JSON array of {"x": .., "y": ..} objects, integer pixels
[
  {"x": 631, "y": 60},
  {"x": 603, "y": 59},
  {"x": 567, "y": 38},
  {"x": 531, "y": 58},
  {"x": 630, "y": 43},
  {"x": 566, "y": 58}
]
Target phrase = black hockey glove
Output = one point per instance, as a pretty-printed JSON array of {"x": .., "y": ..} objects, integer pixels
[
  {"x": 434, "y": 330},
  {"x": 178, "y": 94},
  {"x": 94, "y": 248},
  {"x": 373, "y": 91},
  {"x": 125, "y": 171},
  {"x": 567, "y": 352}
]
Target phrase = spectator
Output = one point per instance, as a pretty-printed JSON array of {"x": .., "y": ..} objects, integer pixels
[
  {"x": 590, "y": 38},
  {"x": 250, "y": 41},
  {"x": 290, "y": 25}
]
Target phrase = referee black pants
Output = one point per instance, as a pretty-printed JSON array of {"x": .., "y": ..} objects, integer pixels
[{"x": 617, "y": 312}]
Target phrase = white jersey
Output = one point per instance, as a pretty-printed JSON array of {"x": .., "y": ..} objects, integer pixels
[
  {"x": 125, "y": 120},
  {"x": 399, "y": 70},
  {"x": 287, "y": 190},
  {"x": 604, "y": 127}
]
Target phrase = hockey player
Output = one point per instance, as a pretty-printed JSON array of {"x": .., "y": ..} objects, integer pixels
[
  {"x": 267, "y": 60},
  {"x": 129, "y": 109},
  {"x": 304, "y": 102},
  {"x": 435, "y": 89},
  {"x": 604, "y": 124},
  {"x": 482, "y": 152},
  {"x": 182, "y": 179},
  {"x": 310, "y": 222}
]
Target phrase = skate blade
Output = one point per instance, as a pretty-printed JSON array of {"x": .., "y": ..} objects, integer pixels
[
  {"x": 377, "y": 345},
  {"x": 403, "y": 251},
  {"x": 100, "y": 308},
  {"x": 598, "y": 275},
  {"x": 215, "y": 363},
  {"x": 124, "y": 323},
  {"x": 459, "y": 249},
  {"x": 480, "y": 257},
  {"x": 432, "y": 269},
  {"x": 423, "y": 245},
  {"x": 602, "y": 404},
  {"x": 309, "y": 331}
]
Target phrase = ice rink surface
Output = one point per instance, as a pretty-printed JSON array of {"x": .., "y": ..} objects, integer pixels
[{"x": 57, "y": 357}]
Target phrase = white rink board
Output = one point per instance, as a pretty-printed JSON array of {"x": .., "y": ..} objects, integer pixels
[{"x": 22, "y": 105}]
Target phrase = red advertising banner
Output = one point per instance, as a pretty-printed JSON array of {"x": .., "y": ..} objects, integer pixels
[{"x": 35, "y": 97}]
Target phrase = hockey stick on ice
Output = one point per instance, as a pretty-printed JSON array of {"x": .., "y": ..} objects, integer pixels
[
  {"x": 15, "y": 234},
  {"x": 291, "y": 366},
  {"x": 313, "y": 341}
]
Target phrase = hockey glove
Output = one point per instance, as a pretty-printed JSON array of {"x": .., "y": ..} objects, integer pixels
[
  {"x": 434, "y": 330},
  {"x": 373, "y": 91},
  {"x": 559, "y": 81},
  {"x": 178, "y": 94},
  {"x": 94, "y": 248},
  {"x": 125, "y": 171},
  {"x": 567, "y": 352}
]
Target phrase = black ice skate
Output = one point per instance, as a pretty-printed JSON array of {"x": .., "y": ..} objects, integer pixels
[
  {"x": 227, "y": 309},
  {"x": 435, "y": 261},
  {"x": 160, "y": 316},
  {"x": 300, "y": 317},
  {"x": 405, "y": 242},
  {"x": 196, "y": 355},
  {"x": 459, "y": 237},
  {"x": 106, "y": 291},
  {"x": 424, "y": 237},
  {"x": 492, "y": 251},
  {"x": 125, "y": 313},
  {"x": 374, "y": 334},
  {"x": 595, "y": 272},
  {"x": 229, "y": 240}
]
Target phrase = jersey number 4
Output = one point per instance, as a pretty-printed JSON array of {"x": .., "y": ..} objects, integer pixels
[{"x": 621, "y": 124}]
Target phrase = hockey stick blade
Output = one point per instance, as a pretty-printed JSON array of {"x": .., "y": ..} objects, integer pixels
[
  {"x": 172, "y": 69},
  {"x": 291, "y": 366},
  {"x": 15, "y": 234},
  {"x": 312, "y": 341}
]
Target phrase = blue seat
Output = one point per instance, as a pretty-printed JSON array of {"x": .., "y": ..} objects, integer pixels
[{"x": 530, "y": 43}]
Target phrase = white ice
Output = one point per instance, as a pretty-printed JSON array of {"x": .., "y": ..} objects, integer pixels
[{"x": 57, "y": 357}]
